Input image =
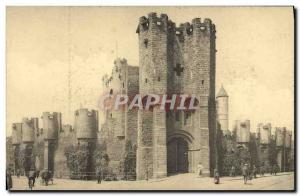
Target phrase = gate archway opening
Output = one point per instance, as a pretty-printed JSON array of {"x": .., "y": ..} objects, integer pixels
[{"x": 177, "y": 156}]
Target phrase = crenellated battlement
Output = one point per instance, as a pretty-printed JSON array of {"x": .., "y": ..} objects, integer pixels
[
  {"x": 153, "y": 21},
  {"x": 184, "y": 29},
  {"x": 264, "y": 132},
  {"x": 242, "y": 129},
  {"x": 86, "y": 123},
  {"x": 51, "y": 124},
  {"x": 29, "y": 127},
  {"x": 16, "y": 133}
]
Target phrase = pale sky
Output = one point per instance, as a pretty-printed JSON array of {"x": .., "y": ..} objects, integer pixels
[{"x": 255, "y": 58}]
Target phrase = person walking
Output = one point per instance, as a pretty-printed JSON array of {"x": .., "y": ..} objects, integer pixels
[
  {"x": 31, "y": 178},
  {"x": 232, "y": 171},
  {"x": 216, "y": 176},
  {"x": 245, "y": 172},
  {"x": 99, "y": 176}
]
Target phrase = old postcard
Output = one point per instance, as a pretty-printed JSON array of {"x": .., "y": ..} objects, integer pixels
[{"x": 150, "y": 98}]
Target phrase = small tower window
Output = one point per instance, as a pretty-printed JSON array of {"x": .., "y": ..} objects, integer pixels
[
  {"x": 158, "y": 78},
  {"x": 123, "y": 85},
  {"x": 146, "y": 80},
  {"x": 146, "y": 43},
  {"x": 110, "y": 115},
  {"x": 202, "y": 82},
  {"x": 158, "y": 23},
  {"x": 202, "y": 28},
  {"x": 111, "y": 91}
]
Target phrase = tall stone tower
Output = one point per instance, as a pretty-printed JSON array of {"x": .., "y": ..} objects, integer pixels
[
  {"x": 222, "y": 109},
  {"x": 51, "y": 127},
  {"x": 264, "y": 136},
  {"x": 16, "y": 142},
  {"x": 86, "y": 127},
  {"x": 120, "y": 127},
  {"x": 176, "y": 60},
  {"x": 242, "y": 133},
  {"x": 29, "y": 128},
  {"x": 153, "y": 77}
]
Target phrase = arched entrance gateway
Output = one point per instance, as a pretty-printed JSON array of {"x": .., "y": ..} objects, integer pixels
[{"x": 178, "y": 154}]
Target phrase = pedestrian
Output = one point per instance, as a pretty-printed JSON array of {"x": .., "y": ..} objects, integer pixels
[
  {"x": 199, "y": 169},
  {"x": 31, "y": 177},
  {"x": 45, "y": 176},
  {"x": 232, "y": 171},
  {"x": 37, "y": 174},
  {"x": 99, "y": 176},
  {"x": 216, "y": 176},
  {"x": 245, "y": 172},
  {"x": 9, "y": 183}
]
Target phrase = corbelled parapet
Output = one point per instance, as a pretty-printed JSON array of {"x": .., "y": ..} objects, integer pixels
[
  {"x": 86, "y": 123},
  {"x": 29, "y": 128},
  {"x": 242, "y": 131},
  {"x": 196, "y": 27},
  {"x": 16, "y": 133},
  {"x": 154, "y": 22},
  {"x": 51, "y": 125}
]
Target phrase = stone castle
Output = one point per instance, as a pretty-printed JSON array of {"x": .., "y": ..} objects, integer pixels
[{"x": 172, "y": 60}]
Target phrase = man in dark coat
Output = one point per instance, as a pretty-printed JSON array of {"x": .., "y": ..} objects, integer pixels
[
  {"x": 31, "y": 177},
  {"x": 245, "y": 172},
  {"x": 99, "y": 176},
  {"x": 232, "y": 171}
]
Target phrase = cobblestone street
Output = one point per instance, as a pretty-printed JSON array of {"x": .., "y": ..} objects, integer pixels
[{"x": 283, "y": 181}]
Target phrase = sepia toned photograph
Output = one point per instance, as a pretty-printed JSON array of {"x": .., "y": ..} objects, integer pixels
[{"x": 150, "y": 98}]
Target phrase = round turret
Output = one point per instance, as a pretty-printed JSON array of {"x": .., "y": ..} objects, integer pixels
[
  {"x": 16, "y": 133},
  {"x": 86, "y": 124},
  {"x": 243, "y": 131},
  {"x": 264, "y": 133},
  {"x": 222, "y": 109},
  {"x": 51, "y": 125},
  {"x": 28, "y": 130}
]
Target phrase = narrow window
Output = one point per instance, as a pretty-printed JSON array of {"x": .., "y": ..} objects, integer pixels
[
  {"x": 146, "y": 80},
  {"x": 111, "y": 91},
  {"x": 202, "y": 82},
  {"x": 146, "y": 43},
  {"x": 158, "y": 78}
]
